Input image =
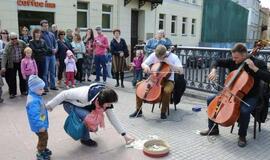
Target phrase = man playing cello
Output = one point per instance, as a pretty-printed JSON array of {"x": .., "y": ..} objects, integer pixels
[
  {"x": 255, "y": 68},
  {"x": 161, "y": 55}
]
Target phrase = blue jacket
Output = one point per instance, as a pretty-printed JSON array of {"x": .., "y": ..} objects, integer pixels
[
  {"x": 153, "y": 43},
  {"x": 36, "y": 112},
  {"x": 50, "y": 41}
]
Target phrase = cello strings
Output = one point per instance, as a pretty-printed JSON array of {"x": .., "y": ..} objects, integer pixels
[{"x": 231, "y": 93}]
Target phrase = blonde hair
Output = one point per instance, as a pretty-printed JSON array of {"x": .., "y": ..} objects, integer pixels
[
  {"x": 160, "y": 51},
  {"x": 27, "y": 49}
]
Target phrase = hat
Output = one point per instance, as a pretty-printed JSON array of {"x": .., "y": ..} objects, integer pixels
[
  {"x": 35, "y": 83},
  {"x": 69, "y": 53},
  {"x": 43, "y": 21},
  {"x": 98, "y": 27}
]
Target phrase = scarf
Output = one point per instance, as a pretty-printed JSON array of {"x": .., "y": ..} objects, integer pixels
[{"x": 95, "y": 118}]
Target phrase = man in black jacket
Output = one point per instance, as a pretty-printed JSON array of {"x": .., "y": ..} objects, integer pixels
[{"x": 255, "y": 68}]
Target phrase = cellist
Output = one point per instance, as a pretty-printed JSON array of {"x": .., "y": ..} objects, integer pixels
[
  {"x": 161, "y": 55},
  {"x": 255, "y": 68}
]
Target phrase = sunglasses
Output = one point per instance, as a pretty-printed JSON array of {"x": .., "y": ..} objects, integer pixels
[
  {"x": 62, "y": 34},
  {"x": 13, "y": 39},
  {"x": 4, "y": 33}
]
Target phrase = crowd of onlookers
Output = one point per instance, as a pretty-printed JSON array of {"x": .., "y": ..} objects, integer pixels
[{"x": 74, "y": 57}]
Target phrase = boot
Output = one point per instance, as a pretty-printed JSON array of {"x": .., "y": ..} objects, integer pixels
[
  {"x": 242, "y": 142},
  {"x": 89, "y": 143},
  {"x": 122, "y": 79},
  {"x": 117, "y": 79}
]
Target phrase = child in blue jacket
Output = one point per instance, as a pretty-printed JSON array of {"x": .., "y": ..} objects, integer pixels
[{"x": 38, "y": 116}]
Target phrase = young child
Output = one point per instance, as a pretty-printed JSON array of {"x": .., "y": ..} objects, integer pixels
[
  {"x": 28, "y": 64},
  {"x": 38, "y": 116},
  {"x": 71, "y": 69},
  {"x": 136, "y": 64}
]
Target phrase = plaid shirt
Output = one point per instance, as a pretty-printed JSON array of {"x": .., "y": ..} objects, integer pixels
[{"x": 17, "y": 56}]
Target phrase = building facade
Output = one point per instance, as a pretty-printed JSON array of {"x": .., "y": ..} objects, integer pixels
[
  {"x": 138, "y": 20},
  {"x": 264, "y": 23},
  {"x": 253, "y": 31}
]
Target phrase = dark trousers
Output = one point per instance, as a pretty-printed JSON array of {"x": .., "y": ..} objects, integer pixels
[
  {"x": 79, "y": 74},
  {"x": 244, "y": 114},
  {"x": 100, "y": 60},
  {"x": 42, "y": 141},
  {"x": 10, "y": 76},
  {"x": 61, "y": 69},
  {"x": 40, "y": 67}
]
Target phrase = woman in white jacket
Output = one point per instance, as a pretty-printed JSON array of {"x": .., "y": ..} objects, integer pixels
[{"x": 87, "y": 102}]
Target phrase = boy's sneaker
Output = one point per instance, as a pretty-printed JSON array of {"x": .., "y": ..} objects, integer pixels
[
  {"x": 67, "y": 87},
  {"x": 42, "y": 156},
  {"x": 73, "y": 86},
  {"x": 48, "y": 151}
]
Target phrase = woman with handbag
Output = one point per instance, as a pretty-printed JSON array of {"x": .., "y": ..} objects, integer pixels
[
  {"x": 88, "y": 40},
  {"x": 89, "y": 103},
  {"x": 119, "y": 53},
  {"x": 79, "y": 50}
]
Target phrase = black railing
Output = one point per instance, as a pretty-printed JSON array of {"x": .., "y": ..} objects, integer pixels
[{"x": 197, "y": 61}]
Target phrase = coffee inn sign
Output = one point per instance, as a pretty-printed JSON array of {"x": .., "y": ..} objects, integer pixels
[{"x": 34, "y": 3}]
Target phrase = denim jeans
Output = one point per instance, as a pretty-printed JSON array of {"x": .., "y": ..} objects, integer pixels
[
  {"x": 49, "y": 68},
  {"x": 245, "y": 112},
  {"x": 138, "y": 77},
  {"x": 100, "y": 60},
  {"x": 82, "y": 113}
]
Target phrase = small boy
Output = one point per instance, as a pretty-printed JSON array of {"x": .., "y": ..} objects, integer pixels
[{"x": 38, "y": 116}]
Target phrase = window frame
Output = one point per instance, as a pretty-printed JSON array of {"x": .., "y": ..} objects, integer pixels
[
  {"x": 163, "y": 20},
  {"x": 107, "y": 13},
  {"x": 87, "y": 15},
  {"x": 184, "y": 24},
  {"x": 175, "y": 25},
  {"x": 193, "y": 25}
]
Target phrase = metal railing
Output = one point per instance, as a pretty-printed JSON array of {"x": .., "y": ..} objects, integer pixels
[{"x": 197, "y": 61}]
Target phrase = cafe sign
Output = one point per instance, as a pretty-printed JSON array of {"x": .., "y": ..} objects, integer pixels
[{"x": 34, "y": 3}]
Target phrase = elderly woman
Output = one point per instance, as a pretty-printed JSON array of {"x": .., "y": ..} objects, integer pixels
[
  {"x": 119, "y": 52},
  {"x": 89, "y": 103},
  {"x": 11, "y": 64}
]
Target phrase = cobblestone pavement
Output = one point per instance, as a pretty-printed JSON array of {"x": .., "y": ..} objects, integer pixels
[{"x": 180, "y": 130}]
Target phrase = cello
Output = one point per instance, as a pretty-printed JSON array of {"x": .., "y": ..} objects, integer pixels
[
  {"x": 224, "y": 109},
  {"x": 150, "y": 89}
]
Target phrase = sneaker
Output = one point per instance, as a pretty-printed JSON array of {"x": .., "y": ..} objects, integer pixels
[
  {"x": 133, "y": 115},
  {"x": 46, "y": 89},
  {"x": 42, "y": 156},
  {"x": 214, "y": 132},
  {"x": 1, "y": 100},
  {"x": 242, "y": 142},
  {"x": 122, "y": 85},
  {"x": 89, "y": 143},
  {"x": 12, "y": 96},
  {"x": 104, "y": 82},
  {"x": 44, "y": 93},
  {"x": 58, "y": 83},
  {"x": 54, "y": 88},
  {"x": 89, "y": 80},
  {"x": 67, "y": 87},
  {"x": 48, "y": 151},
  {"x": 97, "y": 80},
  {"x": 117, "y": 85},
  {"x": 73, "y": 86},
  {"x": 163, "y": 116}
]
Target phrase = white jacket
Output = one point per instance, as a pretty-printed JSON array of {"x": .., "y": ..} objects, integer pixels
[{"x": 79, "y": 97}]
